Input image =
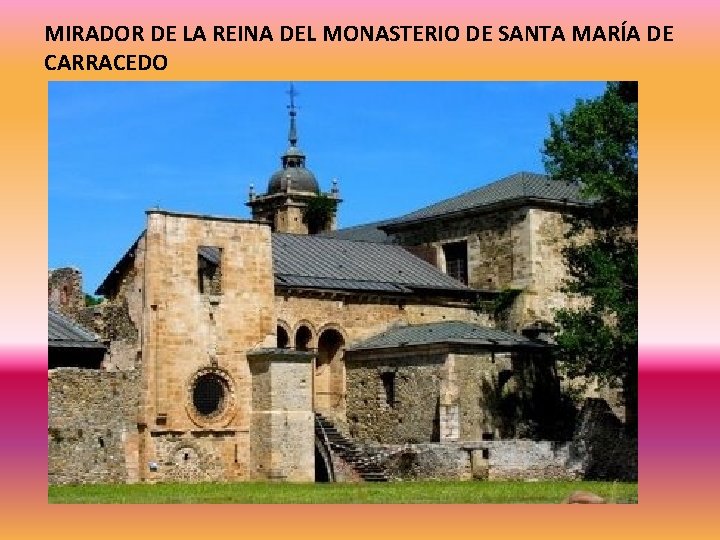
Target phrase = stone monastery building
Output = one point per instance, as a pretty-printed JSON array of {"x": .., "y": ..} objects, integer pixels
[{"x": 281, "y": 348}]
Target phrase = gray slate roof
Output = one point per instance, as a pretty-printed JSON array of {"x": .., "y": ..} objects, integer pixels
[
  {"x": 520, "y": 185},
  {"x": 62, "y": 332},
  {"x": 331, "y": 263},
  {"x": 450, "y": 332},
  {"x": 369, "y": 232}
]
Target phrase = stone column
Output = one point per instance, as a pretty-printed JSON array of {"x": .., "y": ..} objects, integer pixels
[
  {"x": 449, "y": 402},
  {"x": 282, "y": 434}
]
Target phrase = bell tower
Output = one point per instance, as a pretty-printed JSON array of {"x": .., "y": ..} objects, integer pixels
[{"x": 293, "y": 202}]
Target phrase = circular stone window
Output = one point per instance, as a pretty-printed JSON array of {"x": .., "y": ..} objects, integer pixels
[
  {"x": 209, "y": 394},
  {"x": 211, "y": 397}
]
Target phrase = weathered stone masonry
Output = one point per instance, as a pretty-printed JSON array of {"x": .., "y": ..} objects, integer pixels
[
  {"x": 92, "y": 426},
  {"x": 187, "y": 333}
]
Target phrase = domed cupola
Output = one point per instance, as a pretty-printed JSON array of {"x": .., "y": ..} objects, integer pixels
[
  {"x": 293, "y": 202},
  {"x": 293, "y": 176}
]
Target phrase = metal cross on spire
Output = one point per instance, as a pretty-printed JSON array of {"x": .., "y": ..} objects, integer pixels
[
  {"x": 292, "y": 134},
  {"x": 292, "y": 93}
]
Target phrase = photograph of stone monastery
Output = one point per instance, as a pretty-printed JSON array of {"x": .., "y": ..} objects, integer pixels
[{"x": 489, "y": 336}]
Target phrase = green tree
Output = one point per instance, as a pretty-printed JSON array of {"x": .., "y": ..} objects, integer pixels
[
  {"x": 91, "y": 300},
  {"x": 319, "y": 213},
  {"x": 595, "y": 144}
]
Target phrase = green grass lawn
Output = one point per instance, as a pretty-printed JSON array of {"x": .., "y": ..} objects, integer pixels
[{"x": 395, "y": 492}]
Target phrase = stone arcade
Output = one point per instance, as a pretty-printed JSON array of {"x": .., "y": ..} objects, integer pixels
[{"x": 271, "y": 348}]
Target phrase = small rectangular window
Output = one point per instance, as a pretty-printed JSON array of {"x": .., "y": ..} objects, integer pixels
[
  {"x": 209, "y": 270},
  {"x": 388, "y": 381},
  {"x": 456, "y": 263}
]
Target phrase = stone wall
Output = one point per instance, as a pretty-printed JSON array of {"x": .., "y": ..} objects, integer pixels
[
  {"x": 197, "y": 456},
  {"x": 544, "y": 270},
  {"x": 441, "y": 395},
  {"x": 477, "y": 377},
  {"x": 425, "y": 461},
  {"x": 518, "y": 248},
  {"x": 495, "y": 260},
  {"x": 92, "y": 426},
  {"x": 413, "y": 416},
  {"x": 525, "y": 459},
  {"x": 65, "y": 292},
  {"x": 600, "y": 450},
  {"x": 355, "y": 318},
  {"x": 282, "y": 435},
  {"x": 358, "y": 318},
  {"x": 187, "y": 334},
  {"x": 486, "y": 460},
  {"x": 118, "y": 319},
  {"x": 603, "y": 445},
  {"x": 112, "y": 323}
]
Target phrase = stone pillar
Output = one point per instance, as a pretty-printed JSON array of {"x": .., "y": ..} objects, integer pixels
[
  {"x": 282, "y": 435},
  {"x": 449, "y": 414}
]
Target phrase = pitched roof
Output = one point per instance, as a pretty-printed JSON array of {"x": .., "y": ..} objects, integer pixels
[
  {"x": 369, "y": 232},
  {"x": 518, "y": 186},
  {"x": 62, "y": 332},
  {"x": 331, "y": 263},
  {"x": 119, "y": 269},
  {"x": 445, "y": 332}
]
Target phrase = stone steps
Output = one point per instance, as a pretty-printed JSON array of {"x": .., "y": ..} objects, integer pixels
[{"x": 365, "y": 464}]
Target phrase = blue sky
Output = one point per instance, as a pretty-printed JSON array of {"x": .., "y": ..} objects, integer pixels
[{"x": 117, "y": 149}]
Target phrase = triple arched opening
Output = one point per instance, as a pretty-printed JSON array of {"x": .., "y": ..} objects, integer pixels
[{"x": 328, "y": 367}]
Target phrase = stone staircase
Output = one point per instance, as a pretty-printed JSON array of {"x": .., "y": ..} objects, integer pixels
[{"x": 364, "y": 463}]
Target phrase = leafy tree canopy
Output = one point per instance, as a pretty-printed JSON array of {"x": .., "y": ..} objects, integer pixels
[
  {"x": 595, "y": 145},
  {"x": 319, "y": 213}
]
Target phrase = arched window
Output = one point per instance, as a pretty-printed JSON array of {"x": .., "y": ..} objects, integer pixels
[
  {"x": 282, "y": 338},
  {"x": 303, "y": 337}
]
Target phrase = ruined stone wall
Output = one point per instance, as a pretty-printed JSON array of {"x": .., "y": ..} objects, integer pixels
[
  {"x": 187, "y": 334},
  {"x": 599, "y": 450},
  {"x": 601, "y": 443},
  {"x": 130, "y": 287},
  {"x": 423, "y": 461},
  {"x": 113, "y": 325},
  {"x": 116, "y": 321},
  {"x": 360, "y": 318},
  {"x": 92, "y": 426},
  {"x": 486, "y": 460},
  {"x": 65, "y": 292},
  {"x": 525, "y": 460}
]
